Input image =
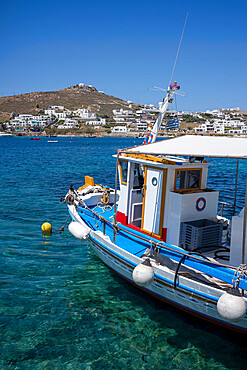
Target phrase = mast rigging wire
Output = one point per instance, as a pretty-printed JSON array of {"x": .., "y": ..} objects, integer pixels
[{"x": 181, "y": 38}]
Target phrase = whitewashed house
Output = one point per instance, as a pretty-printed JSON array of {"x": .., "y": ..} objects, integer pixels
[
  {"x": 57, "y": 107},
  {"x": 26, "y": 117},
  {"x": 142, "y": 125},
  {"x": 68, "y": 123},
  {"x": 117, "y": 129},
  {"x": 42, "y": 118},
  {"x": 84, "y": 113},
  {"x": 219, "y": 128},
  {"x": 61, "y": 115},
  {"x": 235, "y": 131},
  {"x": 121, "y": 115},
  {"x": 100, "y": 122},
  {"x": 205, "y": 127},
  {"x": 16, "y": 122},
  {"x": 50, "y": 112}
]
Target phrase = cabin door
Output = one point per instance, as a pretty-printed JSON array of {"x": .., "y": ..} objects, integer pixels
[{"x": 154, "y": 200}]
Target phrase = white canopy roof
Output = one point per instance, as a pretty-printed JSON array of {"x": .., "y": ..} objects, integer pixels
[{"x": 197, "y": 146}]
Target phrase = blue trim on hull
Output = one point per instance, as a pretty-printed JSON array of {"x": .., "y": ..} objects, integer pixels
[
  {"x": 214, "y": 299},
  {"x": 159, "y": 296},
  {"x": 162, "y": 280},
  {"x": 131, "y": 242}
]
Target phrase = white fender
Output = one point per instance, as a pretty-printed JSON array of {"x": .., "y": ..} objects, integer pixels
[
  {"x": 78, "y": 230},
  {"x": 231, "y": 305},
  {"x": 143, "y": 274}
]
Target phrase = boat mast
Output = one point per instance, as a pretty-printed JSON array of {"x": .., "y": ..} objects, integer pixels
[
  {"x": 163, "y": 108},
  {"x": 168, "y": 99}
]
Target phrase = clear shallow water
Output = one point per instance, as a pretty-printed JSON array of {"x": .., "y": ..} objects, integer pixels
[{"x": 60, "y": 307}]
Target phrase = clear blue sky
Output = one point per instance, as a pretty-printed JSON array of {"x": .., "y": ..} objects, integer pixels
[{"x": 126, "y": 47}]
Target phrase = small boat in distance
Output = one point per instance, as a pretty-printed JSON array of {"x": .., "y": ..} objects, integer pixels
[
  {"x": 35, "y": 138},
  {"x": 5, "y": 134},
  {"x": 52, "y": 141}
]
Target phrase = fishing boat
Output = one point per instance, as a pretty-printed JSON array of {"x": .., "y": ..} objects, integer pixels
[
  {"x": 6, "y": 134},
  {"x": 160, "y": 229}
]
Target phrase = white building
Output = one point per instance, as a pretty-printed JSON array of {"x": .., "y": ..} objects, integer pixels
[
  {"x": 15, "y": 123},
  {"x": 50, "y": 112},
  {"x": 219, "y": 129},
  {"x": 122, "y": 112},
  {"x": 100, "y": 122},
  {"x": 239, "y": 132},
  {"x": 123, "y": 116},
  {"x": 142, "y": 125},
  {"x": 61, "y": 115},
  {"x": 25, "y": 120},
  {"x": 228, "y": 122},
  {"x": 205, "y": 127},
  {"x": 57, "y": 107},
  {"x": 117, "y": 129},
  {"x": 219, "y": 125},
  {"x": 68, "y": 123},
  {"x": 26, "y": 117},
  {"x": 40, "y": 121},
  {"x": 84, "y": 113}
]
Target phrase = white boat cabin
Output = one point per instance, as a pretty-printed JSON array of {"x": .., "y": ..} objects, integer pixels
[
  {"x": 158, "y": 194},
  {"x": 166, "y": 196}
]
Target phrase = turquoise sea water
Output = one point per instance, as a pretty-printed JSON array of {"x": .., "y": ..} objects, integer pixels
[{"x": 60, "y": 306}]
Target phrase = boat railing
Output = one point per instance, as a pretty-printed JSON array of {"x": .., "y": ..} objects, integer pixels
[
  {"x": 158, "y": 244},
  {"x": 225, "y": 207},
  {"x": 195, "y": 260}
]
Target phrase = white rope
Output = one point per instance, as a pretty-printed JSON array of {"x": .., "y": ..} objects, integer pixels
[{"x": 239, "y": 273}]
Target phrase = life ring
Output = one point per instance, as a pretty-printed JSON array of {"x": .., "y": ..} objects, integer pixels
[{"x": 199, "y": 209}]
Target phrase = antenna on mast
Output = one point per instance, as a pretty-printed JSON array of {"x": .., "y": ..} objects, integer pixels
[{"x": 181, "y": 38}]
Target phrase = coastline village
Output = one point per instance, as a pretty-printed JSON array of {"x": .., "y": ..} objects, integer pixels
[{"x": 134, "y": 121}]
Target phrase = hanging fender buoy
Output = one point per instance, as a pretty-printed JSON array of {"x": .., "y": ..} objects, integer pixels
[
  {"x": 78, "y": 230},
  {"x": 143, "y": 274},
  {"x": 231, "y": 305}
]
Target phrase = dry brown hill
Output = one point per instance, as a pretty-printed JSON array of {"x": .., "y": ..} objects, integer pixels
[{"x": 72, "y": 98}]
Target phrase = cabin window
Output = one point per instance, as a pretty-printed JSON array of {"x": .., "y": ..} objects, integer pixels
[
  {"x": 138, "y": 176},
  {"x": 123, "y": 172},
  {"x": 188, "y": 179}
]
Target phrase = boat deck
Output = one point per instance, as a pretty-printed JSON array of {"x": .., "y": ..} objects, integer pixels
[{"x": 133, "y": 244}]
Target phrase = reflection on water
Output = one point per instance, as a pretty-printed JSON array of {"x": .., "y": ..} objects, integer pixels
[{"x": 60, "y": 306}]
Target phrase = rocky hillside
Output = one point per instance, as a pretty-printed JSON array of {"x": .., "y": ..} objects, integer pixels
[{"x": 72, "y": 97}]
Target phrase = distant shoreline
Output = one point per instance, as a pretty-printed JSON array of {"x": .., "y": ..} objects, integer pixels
[{"x": 120, "y": 135}]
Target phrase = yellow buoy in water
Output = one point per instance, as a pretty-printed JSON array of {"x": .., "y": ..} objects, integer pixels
[{"x": 46, "y": 227}]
